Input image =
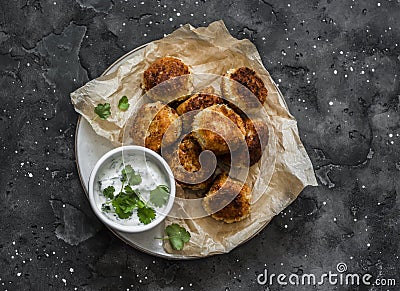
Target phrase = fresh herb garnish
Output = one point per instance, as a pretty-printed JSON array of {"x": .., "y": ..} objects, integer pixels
[
  {"x": 124, "y": 203},
  {"x": 129, "y": 175},
  {"x": 177, "y": 236},
  {"x": 123, "y": 103},
  {"x": 159, "y": 196},
  {"x": 146, "y": 214},
  {"x": 129, "y": 199},
  {"x": 109, "y": 192},
  {"x": 103, "y": 110}
]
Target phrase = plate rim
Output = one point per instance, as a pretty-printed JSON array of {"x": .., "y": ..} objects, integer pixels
[{"x": 171, "y": 256}]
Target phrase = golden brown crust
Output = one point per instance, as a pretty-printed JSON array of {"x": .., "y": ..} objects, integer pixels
[
  {"x": 228, "y": 200},
  {"x": 249, "y": 78},
  {"x": 152, "y": 122},
  {"x": 243, "y": 89},
  {"x": 199, "y": 101},
  {"x": 256, "y": 140},
  {"x": 187, "y": 156},
  {"x": 211, "y": 127},
  {"x": 162, "y": 70}
]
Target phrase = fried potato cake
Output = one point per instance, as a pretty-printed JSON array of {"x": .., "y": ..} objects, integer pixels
[
  {"x": 219, "y": 129},
  {"x": 228, "y": 199},
  {"x": 199, "y": 101},
  {"x": 161, "y": 81},
  {"x": 256, "y": 139},
  {"x": 151, "y": 123},
  {"x": 186, "y": 167},
  {"x": 246, "y": 90}
]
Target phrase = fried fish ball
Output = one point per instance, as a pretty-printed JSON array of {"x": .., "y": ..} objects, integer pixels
[
  {"x": 151, "y": 123},
  {"x": 256, "y": 139},
  {"x": 163, "y": 70},
  {"x": 219, "y": 129},
  {"x": 186, "y": 167},
  {"x": 246, "y": 91},
  {"x": 199, "y": 101},
  {"x": 228, "y": 199}
]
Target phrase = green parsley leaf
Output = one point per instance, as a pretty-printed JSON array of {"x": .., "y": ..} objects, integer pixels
[
  {"x": 177, "y": 236},
  {"x": 109, "y": 192},
  {"x": 146, "y": 214},
  {"x": 103, "y": 110},
  {"x": 125, "y": 203},
  {"x": 159, "y": 196},
  {"x": 123, "y": 103},
  {"x": 129, "y": 175}
]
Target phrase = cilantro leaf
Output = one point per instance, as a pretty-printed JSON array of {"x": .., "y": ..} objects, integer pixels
[
  {"x": 109, "y": 192},
  {"x": 103, "y": 110},
  {"x": 125, "y": 203},
  {"x": 177, "y": 236},
  {"x": 123, "y": 103},
  {"x": 129, "y": 175},
  {"x": 146, "y": 214},
  {"x": 159, "y": 195}
]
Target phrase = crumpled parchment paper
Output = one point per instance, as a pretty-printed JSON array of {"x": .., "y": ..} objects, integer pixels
[{"x": 276, "y": 182}]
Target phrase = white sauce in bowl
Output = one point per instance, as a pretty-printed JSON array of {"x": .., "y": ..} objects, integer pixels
[{"x": 110, "y": 174}]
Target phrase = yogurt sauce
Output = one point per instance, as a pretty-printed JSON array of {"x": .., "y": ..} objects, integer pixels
[{"x": 110, "y": 175}]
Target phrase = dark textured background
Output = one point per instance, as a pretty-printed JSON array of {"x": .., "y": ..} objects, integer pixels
[{"x": 337, "y": 63}]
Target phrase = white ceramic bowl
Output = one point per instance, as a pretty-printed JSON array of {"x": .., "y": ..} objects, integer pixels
[{"x": 115, "y": 154}]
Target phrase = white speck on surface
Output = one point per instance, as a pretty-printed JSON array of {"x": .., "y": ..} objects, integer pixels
[
  {"x": 171, "y": 19},
  {"x": 368, "y": 245},
  {"x": 30, "y": 175},
  {"x": 390, "y": 134},
  {"x": 71, "y": 270},
  {"x": 378, "y": 4},
  {"x": 335, "y": 72},
  {"x": 330, "y": 103},
  {"x": 18, "y": 274}
]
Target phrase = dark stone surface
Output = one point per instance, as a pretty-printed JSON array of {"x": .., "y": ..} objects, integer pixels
[{"x": 337, "y": 63}]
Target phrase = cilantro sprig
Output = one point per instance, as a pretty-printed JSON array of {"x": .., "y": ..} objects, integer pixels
[
  {"x": 129, "y": 175},
  {"x": 123, "y": 103},
  {"x": 103, "y": 110},
  {"x": 177, "y": 236},
  {"x": 159, "y": 196},
  {"x": 128, "y": 199}
]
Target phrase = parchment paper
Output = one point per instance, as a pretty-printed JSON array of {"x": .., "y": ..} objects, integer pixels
[{"x": 210, "y": 50}]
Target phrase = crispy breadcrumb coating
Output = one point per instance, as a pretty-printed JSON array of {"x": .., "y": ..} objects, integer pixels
[
  {"x": 256, "y": 139},
  {"x": 152, "y": 122},
  {"x": 228, "y": 199},
  {"x": 167, "y": 80},
  {"x": 246, "y": 91},
  {"x": 219, "y": 129},
  {"x": 199, "y": 101},
  {"x": 192, "y": 175}
]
